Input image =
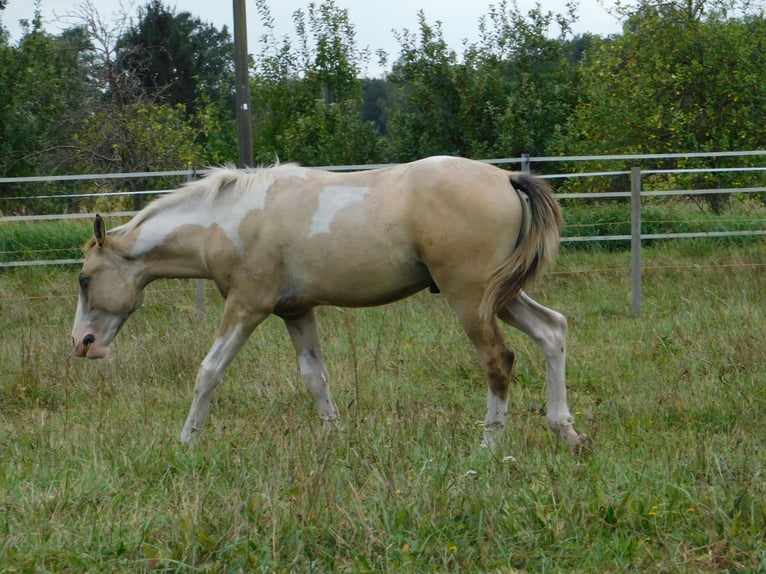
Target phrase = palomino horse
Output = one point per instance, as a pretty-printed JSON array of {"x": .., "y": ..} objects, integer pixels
[{"x": 285, "y": 239}]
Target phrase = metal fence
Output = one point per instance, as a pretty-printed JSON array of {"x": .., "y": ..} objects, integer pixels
[{"x": 635, "y": 193}]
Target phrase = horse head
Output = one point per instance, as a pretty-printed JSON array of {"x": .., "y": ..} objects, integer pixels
[{"x": 110, "y": 291}]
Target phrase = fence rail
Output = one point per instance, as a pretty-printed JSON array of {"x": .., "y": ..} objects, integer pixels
[{"x": 636, "y": 194}]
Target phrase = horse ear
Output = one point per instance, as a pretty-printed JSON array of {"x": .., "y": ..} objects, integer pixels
[{"x": 99, "y": 231}]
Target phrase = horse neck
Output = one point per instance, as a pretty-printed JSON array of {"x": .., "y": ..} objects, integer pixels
[{"x": 169, "y": 251}]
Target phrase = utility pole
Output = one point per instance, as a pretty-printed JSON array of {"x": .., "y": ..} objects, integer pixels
[{"x": 244, "y": 116}]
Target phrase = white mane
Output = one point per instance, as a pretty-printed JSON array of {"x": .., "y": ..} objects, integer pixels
[{"x": 222, "y": 183}]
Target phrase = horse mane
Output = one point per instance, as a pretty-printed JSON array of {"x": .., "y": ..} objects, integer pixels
[{"x": 205, "y": 191}]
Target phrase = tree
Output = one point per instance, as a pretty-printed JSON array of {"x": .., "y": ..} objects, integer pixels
[
  {"x": 378, "y": 97},
  {"x": 143, "y": 137},
  {"x": 307, "y": 102},
  {"x": 127, "y": 129},
  {"x": 428, "y": 100},
  {"x": 683, "y": 77},
  {"x": 177, "y": 58},
  {"x": 510, "y": 95},
  {"x": 43, "y": 84},
  {"x": 523, "y": 66}
]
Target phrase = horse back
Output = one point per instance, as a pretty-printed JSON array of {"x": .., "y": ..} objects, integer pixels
[{"x": 370, "y": 237}]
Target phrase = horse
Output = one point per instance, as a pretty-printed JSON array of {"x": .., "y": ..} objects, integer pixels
[{"x": 285, "y": 239}]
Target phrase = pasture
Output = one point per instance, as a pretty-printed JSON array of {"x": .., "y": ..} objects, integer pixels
[{"x": 94, "y": 478}]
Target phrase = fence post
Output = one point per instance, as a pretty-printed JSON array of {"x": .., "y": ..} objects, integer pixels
[
  {"x": 525, "y": 163},
  {"x": 635, "y": 238}
]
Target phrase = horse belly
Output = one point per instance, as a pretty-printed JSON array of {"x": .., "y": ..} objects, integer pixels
[{"x": 352, "y": 281}]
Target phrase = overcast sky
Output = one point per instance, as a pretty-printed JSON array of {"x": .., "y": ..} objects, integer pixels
[{"x": 373, "y": 20}]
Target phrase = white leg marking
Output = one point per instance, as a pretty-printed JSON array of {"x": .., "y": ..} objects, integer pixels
[
  {"x": 210, "y": 375},
  {"x": 494, "y": 424},
  {"x": 305, "y": 337},
  {"x": 548, "y": 329},
  {"x": 315, "y": 377}
]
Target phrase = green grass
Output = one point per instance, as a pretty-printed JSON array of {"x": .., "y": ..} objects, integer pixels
[
  {"x": 658, "y": 216},
  {"x": 93, "y": 478},
  {"x": 30, "y": 241},
  {"x": 46, "y": 240}
]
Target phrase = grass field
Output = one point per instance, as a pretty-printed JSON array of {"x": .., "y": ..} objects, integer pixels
[{"x": 93, "y": 477}]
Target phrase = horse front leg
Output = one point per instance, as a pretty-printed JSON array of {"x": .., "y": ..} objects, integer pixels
[
  {"x": 232, "y": 335},
  {"x": 548, "y": 329},
  {"x": 305, "y": 337}
]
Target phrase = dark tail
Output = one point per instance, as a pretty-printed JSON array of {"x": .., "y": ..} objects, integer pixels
[{"x": 535, "y": 250}]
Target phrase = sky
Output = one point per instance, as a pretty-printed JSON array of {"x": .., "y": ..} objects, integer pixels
[{"x": 374, "y": 21}]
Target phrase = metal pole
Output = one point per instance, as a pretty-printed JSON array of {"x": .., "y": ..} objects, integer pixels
[
  {"x": 635, "y": 241},
  {"x": 525, "y": 163},
  {"x": 244, "y": 121}
]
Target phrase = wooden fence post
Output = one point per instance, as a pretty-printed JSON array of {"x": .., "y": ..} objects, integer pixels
[{"x": 635, "y": 238}]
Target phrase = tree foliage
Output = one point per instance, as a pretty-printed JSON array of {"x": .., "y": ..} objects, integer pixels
[
  {"x": 177, "y": 58},
  {"x": 683, "y": 76},
  {"x": 510, "y": 95},
  {"x": 307, "y": 100},
  {"x": 674, "y": 82},
  {"x": 43, "y": 90},
  {"x": 428, "y": 101}
]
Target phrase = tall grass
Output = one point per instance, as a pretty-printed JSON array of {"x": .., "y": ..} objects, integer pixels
[
  {"x": 586, "y": 218},
  {"x": 93, "y": 478},
  {"x": 45, "y": 240},
  {"x": 30, "y": 241}
]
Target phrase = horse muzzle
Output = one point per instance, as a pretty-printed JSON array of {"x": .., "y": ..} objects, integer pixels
[{"x": 88, "y": 347}]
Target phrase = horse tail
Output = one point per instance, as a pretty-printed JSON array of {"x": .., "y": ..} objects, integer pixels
[{"x": 536, "y": 248}]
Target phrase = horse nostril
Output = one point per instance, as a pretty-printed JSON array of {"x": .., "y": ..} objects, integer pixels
[{"x": 89, "y": 339}]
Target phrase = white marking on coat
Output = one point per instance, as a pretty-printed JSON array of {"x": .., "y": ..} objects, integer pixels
[
  {"x": 331, "y": 201},
  {"x": 154, "y": 232}
]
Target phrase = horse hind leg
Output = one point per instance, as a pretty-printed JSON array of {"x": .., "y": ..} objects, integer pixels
[
  {"x": 548, "y": 329},
  {"x": 496, "y": 357},
  {"x": 305, "y": 337}
]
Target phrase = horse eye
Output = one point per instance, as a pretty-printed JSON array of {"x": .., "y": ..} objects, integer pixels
[{"x": 84, "y": 281}]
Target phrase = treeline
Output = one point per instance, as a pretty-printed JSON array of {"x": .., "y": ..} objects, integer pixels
[{"x": 157, "y": 92}]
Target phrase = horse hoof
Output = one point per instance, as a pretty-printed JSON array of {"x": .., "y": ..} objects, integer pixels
[
  {"x": 187, "y": 435},
  {"x": 493, "y": 433},
  {"x": 582, "y": 444},
  {"x": 331, "y": 424},
  {"x": 579, "y": 442}
]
